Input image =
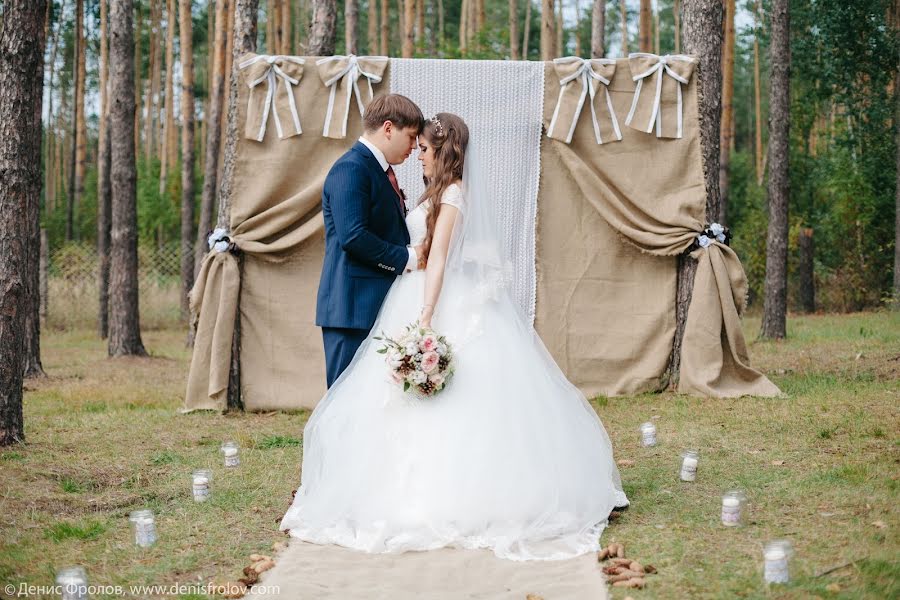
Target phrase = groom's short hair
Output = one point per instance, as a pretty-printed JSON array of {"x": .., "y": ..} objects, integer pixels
[{"x": 399, "y": 110}]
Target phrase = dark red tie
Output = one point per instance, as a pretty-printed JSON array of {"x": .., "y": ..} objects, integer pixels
[{"x": 393, "y": 178}]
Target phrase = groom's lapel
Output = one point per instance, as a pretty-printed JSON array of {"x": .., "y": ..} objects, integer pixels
[{"x": 381, "y": 177}]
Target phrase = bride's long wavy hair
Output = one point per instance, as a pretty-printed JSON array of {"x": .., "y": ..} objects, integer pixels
[{"x": 448, "y": 135}]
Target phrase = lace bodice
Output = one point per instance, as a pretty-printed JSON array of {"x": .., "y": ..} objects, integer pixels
[{"x": 415, "y": 220}]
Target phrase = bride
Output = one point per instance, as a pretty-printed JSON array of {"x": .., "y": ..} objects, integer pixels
[{"x": 509, "y": 456}]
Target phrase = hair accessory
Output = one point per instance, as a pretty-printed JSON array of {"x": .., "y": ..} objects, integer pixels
[{"x": 439, "y": 129}]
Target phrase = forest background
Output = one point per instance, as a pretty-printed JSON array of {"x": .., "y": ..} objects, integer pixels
[{"x": 842, "y": 146}]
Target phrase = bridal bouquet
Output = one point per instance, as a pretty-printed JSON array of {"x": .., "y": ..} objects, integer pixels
[{"x": 419, "y": 359}]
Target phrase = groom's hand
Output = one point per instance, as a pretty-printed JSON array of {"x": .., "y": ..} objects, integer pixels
[{"x": 420, "y": 253}]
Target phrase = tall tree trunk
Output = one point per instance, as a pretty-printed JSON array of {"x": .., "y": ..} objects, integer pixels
[
  {"x": 271, "y": 42},
  {"x": 279, "y": 27},
  {"x": 104, "y": 189},
  {"x": 244, "y": 41},
  {"x": 124, "y": 320},
  {"x": 514, "y": 30},
  {"x": 138, "y": 32},
  {"x": 385, "y": 27},
  {"x": 527, "y": 33},
  {"x": 774, "y": 322},
  {"x": 548, "y": 34},
  {"x": 77, "y": 107},
  {"x": 52, "y": 141},
  {"x": 21, "y": 99},
  {"x": 323, "y": 32},
  {"x": 31, "y": 359},
  {"x": 480, "y": 18},
  {"x": 185, "y": 30},
  {"x": 463, "y": 26},
  {"x": 351, "y": 26},
  {"x": 645, "y": 43},
  {"x": 156, "y": 84},
  {"x": 409, "y": 22},
  {"x": 150, "y": 95},
  {"x": 170, "y": 146},
  {"x": 213, "y": 135},
  {"x": 420, "y": 23},
  {"x": 81, "y": 144},
  {"x": 372, "y": 29},
  {"x": 210, "y": 62},
  {"x": 757, "y": 84},
  {"x": 624, "y": 7},
  {"x": 560, "y": 29},
  {"x": 727, "y": 135},
  {"x": 229, "y": 59},
  {"x": 598, "y": 29},
  {"x": 703, "y": 38},
  {"x": 287, "y": 48}
]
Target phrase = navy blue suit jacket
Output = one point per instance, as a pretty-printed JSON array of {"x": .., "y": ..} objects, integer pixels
[{"x": 365, "y": 241}]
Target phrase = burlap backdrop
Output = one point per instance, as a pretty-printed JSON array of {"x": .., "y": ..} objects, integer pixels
[
  {"x": 611, "y": 219},
  {"x": 605, "y": 306}
]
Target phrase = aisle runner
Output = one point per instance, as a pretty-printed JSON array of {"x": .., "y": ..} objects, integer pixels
[
  {"x": 307, "y": 571},
  {"x": 503, "y": 107}
]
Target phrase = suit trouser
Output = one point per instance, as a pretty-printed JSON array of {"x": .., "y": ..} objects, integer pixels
[{"x": 341, "y": 345}]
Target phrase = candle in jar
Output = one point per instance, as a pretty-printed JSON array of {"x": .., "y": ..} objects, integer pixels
[
  {"x": 144, "y": 528},
  {"x": 72, "y": 582},
  {"x": 731, "y": 511},
  {"x": 648, "y": 434},
  {"x": 689, "y": 466},
  {"x": 230, "y": 450},
  {"x": 201, "y": 485},
  {"x": 776, "y": 565}
]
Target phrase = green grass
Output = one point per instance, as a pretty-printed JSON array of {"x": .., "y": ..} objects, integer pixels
[
  {"x": 819, "y": 467},
  {"x": 59, "y": 532}
]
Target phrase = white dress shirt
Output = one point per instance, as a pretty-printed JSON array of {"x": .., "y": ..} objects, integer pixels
[{"x": 413, "y": 261}]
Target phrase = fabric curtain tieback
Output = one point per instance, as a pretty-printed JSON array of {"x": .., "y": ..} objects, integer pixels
[
  {"x": 647, "y": 110},
  {"x": 591, "y": 73},
  {"x": 344, "y": 72},
  {"x": 272, "y": 69}
]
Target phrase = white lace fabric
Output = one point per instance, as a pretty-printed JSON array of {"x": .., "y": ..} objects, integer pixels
[{"x": 506, "y": 117}]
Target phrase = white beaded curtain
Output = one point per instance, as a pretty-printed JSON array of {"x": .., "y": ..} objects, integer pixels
[{"x": 502, "y": 103}]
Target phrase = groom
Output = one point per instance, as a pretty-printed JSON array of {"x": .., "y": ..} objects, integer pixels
[{"x": 366, "y": 240}]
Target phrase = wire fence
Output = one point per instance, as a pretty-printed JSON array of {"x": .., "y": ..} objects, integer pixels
[{"x": 73, "y": 286}]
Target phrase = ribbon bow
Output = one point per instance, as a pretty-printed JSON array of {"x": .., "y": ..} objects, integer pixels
[
  {"x": 272, "y": 69},
  {"x": 571, "y": 100},
  {"x": 344, "y": 71},
  {"x": 648, "y": 109}
]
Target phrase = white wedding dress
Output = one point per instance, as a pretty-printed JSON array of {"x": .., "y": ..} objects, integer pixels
[{"x": 509, "y": 456}]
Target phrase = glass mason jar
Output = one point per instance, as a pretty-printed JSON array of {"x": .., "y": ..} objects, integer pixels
[
  {"x": 230, "y": 450},
  {"x": 144, "y": 527},
  {"x": 648, "y": 434},
  {"x": 689, "y": 459},
  {"x": 777, "y": 555},
  {"x": 201, "y": 480},
  {"x": 733, "y": 508},
  {"x": 73, "y": 583}
]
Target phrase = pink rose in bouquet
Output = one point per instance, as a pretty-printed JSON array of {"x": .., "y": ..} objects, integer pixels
[{"x": 430, "y": 361}]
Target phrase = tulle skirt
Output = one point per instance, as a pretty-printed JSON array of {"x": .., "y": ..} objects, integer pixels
[{"x": 509, "y": 456}]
